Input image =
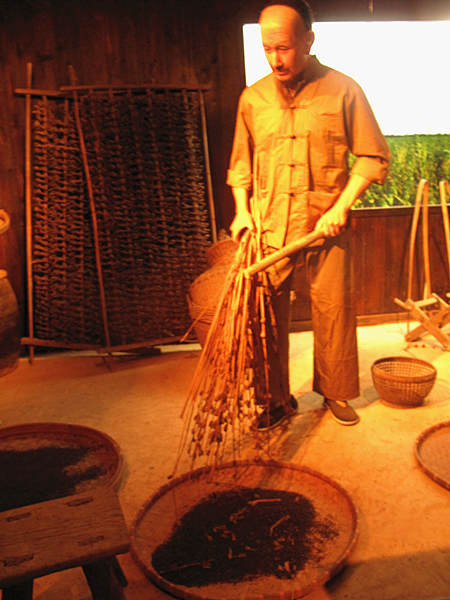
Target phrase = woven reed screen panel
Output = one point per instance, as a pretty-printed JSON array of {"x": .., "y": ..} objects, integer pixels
[{"x": 141, "y": 177}]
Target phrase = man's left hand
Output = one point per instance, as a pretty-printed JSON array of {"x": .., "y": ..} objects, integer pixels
[{"x": 333, "y": 221}]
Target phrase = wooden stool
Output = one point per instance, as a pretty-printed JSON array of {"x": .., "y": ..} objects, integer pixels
[
  {"x": 430, "y": 322},
  {"x": 84, "y": 530},
  {"x": 432, "y": 311}
]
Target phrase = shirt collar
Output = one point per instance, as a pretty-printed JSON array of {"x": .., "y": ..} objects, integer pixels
[{"x": 306, "y": 76}]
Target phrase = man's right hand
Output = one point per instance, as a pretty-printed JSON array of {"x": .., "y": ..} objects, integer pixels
[{"x": 242, "y": 222}]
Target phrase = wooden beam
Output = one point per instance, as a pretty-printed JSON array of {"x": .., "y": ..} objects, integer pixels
[
  {"x": 29, "y": 91},
  {"x": 144, "y": 86}
]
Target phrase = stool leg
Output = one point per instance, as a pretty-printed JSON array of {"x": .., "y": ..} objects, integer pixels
[
  {"x": 21, "y": 591},
  {"x": 118, "y": 572},
  {"x": 102, "y": 580}
]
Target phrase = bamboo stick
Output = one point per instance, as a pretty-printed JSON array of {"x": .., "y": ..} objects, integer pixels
[
  {"x": 212, "y": 212},
  {"x": 283, "y": 253},
  {"x": 92, "y": 210},
  {"x": 412, "y": 237},
  {"x": 33, "y": 341},
  {"x": 231, "y": 382},
  {"x": 27, "y": 340},
  {"x": 193, "y": 324},
  {"x": 137, "y": 345},
  {"x": 210, "y": 379},
  {"x": 28, "y": 212},
  {"x": 426, "y": 244}
]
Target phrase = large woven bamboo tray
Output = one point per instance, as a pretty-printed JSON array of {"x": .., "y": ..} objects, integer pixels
[
  {"x": 43, "y": 461},
  {"x": 331, "y": 536},
  {"x": 433, "y": 453}
]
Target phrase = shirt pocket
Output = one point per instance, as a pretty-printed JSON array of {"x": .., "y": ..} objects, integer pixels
[{"x": 328, "y": 142}]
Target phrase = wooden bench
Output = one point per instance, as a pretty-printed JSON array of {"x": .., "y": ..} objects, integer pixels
[{"x": 83, "y": 530}]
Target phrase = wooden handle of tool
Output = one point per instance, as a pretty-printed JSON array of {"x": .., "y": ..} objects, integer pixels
[
  {"x": 426, "y": 244},
  {"x": 283, "y": 253},
  {"x": 412, "y": 236},
  {"x": 443, "y": 187}
]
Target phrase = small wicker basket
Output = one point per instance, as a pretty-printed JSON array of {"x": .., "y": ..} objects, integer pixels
[{"x": 403, "y": 381}]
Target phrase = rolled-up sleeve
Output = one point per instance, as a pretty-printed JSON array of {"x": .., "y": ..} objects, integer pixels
[
  {"x": 239, "y": 173},
  {"x": 366, "y": 140}
]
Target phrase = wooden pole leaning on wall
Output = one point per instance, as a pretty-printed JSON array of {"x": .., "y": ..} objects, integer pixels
[
  {"x": 92, "y": 208},
  {"x": 426, "y": 244},
  {"x": 444, "y": 188},
  {"x": 28, "y": 213},
  {"x": 212, "y": 211},
  {"x": 422, "y": 192}
]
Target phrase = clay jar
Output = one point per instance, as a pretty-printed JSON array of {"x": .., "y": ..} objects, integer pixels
[{"x": 9, "y": 326}]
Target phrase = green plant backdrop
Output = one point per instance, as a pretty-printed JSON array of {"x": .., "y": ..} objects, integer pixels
[{"x": 414, "y": 157}]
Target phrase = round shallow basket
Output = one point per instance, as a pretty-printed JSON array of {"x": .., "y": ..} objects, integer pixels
[
  {"x": 44, "y": 461},
  {"x": 207, "y": 288},
  {"x": 214, "y": 551},
  {"x": 202, "y": 317},
  {"x": 402, "y": 381},
  {"x": 222, "y": 251},
  {"x": 433, "y": 453},
  {"x": 204, "y": 296}
]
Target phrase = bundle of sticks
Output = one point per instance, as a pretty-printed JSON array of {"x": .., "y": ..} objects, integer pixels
[{"x": 230, "y": 387}]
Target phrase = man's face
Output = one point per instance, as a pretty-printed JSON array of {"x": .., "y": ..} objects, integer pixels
[{"x": 286, "y": 41}]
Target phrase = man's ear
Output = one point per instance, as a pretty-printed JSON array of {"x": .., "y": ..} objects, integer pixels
[{"x": 309, "y": 39}]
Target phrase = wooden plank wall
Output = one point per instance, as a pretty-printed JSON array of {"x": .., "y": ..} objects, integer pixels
[{"x": 140, "y": 41}]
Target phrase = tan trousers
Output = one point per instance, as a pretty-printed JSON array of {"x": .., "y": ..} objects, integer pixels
[{"x": 333, "y": 321}]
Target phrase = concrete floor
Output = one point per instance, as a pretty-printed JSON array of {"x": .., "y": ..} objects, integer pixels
[{"x": 403, "y": 547}]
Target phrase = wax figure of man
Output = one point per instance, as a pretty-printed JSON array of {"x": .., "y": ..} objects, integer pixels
[{"x": 288, "y": 172}]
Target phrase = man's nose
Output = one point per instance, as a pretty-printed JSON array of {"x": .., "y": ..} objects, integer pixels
[{"x": 275, "y": 59}]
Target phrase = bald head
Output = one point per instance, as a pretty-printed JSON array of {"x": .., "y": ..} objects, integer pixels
[
  {"x": 301, "y": 6},
  {"x": 286, "y": 41},
  {"x": 281, "y": 16}
]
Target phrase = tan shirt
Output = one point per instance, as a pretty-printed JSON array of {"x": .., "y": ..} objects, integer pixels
[{"x": 298, "y": 147}]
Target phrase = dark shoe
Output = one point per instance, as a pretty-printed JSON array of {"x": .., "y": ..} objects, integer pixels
[
  {"x": 342, "y": 412},
  {"x": 293, "y": 402},
  {"x": 268, "y": 420}
]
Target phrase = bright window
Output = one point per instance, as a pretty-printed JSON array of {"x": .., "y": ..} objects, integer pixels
[{"x": 401, "y": 65}]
